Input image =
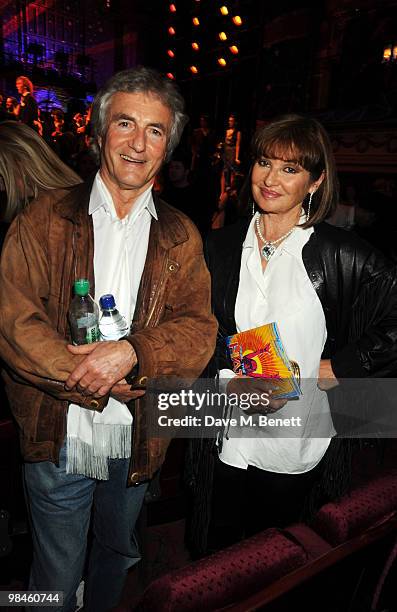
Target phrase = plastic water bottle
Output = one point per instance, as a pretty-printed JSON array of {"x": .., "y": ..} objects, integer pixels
[
  {"x": 83, "y": 314},
  {"x": 112, "y": 324}
]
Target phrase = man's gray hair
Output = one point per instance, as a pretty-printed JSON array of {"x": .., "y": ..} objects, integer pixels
[{"x": 140, "y": 80}]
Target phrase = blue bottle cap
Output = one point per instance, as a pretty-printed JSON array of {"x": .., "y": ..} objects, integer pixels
[{"x": 107, "y": 301}]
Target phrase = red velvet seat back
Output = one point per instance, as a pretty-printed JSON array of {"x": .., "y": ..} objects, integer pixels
[
  {"x": 338, "y": 521},
  {"x": 225, "y": 577}
]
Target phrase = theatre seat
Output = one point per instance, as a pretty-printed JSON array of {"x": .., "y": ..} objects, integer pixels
[
  {"x": 339, "y": 521},
  {"x": 225, "y": 577},
  {"x": 258, "y": 571}
]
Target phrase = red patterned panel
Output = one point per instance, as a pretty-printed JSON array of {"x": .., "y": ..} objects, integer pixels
[
  {"x": 226, "y": 576},
  {"x": 362, "y": 508}
]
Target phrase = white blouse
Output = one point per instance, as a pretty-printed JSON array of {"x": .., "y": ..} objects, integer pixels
[{"x": 283, "y": 293}]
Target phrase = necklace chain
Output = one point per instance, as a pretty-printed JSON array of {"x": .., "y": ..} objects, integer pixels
[{"x": 269, "y": 246}]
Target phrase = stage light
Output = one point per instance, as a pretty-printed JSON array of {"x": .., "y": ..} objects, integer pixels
[
  {"x": 196, "y": 21},
  {"x": 222, "y": 36},
  {"x": 233, "y": 49},
  {"x": 221, "y": 61},
  {"x": 194, "y": 69},
  {"x": 224, "y": 10},
  {"x": 170, "y": 53},
  {"x": 171, "y": 31},
  {"x": 172, "y": 8},
  {"x": 170, "y": 76},
  {"x": 237, "y": 20},
  {"x": 395, "y": 52},
  {"x": 195, "y": 46},
  {"x": 387, "y": 53}
]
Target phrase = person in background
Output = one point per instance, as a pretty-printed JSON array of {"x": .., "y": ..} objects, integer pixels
[
  {"x": 85, "y": 162},
  {"x": 231, "y": 153},
  {"x": 79, "y": 123},
  {"x": 186, "y": 197},
  {"x": 12, "y": 108},
  {"x": 203, "y": 147},
  {"x": 28, "y": 109},
  {"x": 3, "y": 111},
  {"x": 63, "y": 141},
  {"x": 28, "y": 167},
  {"x": 82, "y": 410},
  {"x": 334, "y": 300}
]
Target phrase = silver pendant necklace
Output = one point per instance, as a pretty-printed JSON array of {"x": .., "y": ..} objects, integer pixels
[{"x": 269, "y": 246}]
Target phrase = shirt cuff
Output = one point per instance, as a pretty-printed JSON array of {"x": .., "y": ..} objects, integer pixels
[{"x": 224, "y": 376}]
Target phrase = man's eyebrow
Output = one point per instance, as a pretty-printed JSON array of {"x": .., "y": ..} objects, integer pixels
[{"x": 119, "y": 116}]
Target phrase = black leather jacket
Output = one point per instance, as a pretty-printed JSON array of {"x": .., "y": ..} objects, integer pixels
[{"x": 357, "y": 287}]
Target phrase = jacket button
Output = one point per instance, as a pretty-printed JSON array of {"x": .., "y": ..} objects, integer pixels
[
  {"x": 134, "y": 478},
  {"x": 94, "y": 404}
]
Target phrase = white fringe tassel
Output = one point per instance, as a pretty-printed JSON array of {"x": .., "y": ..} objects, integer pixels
[{"x": 109, "y": 441}]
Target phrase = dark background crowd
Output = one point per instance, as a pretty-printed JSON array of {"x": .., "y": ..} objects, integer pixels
[{"x": 205, "y": 177}]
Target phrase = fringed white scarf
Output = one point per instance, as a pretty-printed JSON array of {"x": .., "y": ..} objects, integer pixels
[{"x": 93, "y": 437}]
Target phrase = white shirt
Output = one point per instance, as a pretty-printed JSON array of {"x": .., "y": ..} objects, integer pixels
[
  {"x": 120, "y": 246},
  {"x": 283, "y": 293},
  {"x": 120, "y": 249}
]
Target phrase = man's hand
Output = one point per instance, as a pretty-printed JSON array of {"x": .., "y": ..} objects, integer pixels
[
  {"x": 262, "y": 388},
  {"x": 123, "y": 393},
  {"x": 105, "y": 364},
  {"x": 326, "y": 377}
]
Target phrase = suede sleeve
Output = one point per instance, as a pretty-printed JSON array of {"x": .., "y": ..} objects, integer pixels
[{"x": 30, "y": 345}]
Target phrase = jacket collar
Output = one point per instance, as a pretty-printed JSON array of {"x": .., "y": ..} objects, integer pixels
[{"x": 170, "y": 231}]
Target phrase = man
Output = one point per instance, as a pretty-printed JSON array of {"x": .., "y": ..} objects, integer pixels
[
  {"x": 12, "y": 108},
  {"x": 149, "y": 256},
  {"x": 63, "y": 141},
  {"x": 28, "y": 109}
]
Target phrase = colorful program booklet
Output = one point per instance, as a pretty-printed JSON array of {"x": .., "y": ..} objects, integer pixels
[{"x": 260, "y": 353}]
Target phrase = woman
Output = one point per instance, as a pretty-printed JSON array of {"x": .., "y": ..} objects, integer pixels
[
  {"x": 231, "y": 153},
  {"x": 28, "y": 108},
  {"x": 28, "y": 165},
  {"x": 322, "y": 286}
]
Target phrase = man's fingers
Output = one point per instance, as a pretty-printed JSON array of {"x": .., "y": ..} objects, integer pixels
[
  {"x": 82, "y": 349},
  {"x": 76, "y": 376}
]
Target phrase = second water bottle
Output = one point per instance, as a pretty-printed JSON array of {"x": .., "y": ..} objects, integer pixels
[{"x": 112, "y": 324}]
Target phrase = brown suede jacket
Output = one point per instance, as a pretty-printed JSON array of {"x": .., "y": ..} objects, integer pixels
[{"x": 48, "y": 246}]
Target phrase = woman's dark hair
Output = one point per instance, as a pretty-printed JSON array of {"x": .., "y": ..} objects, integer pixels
[{"x": 305, "y": 141}]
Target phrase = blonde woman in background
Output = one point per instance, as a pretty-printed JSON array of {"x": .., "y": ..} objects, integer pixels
[{"x": 28, "y": 166}]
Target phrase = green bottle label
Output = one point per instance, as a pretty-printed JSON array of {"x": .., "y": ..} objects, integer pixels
[{"x": 92, "y": 334}]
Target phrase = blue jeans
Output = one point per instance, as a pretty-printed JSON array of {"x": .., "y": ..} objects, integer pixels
[{"x": 60, "y": 508}]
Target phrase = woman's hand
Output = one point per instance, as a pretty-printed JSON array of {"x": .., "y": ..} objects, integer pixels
[
  {"x": 257, "y": 392},
  {"x": 326, "y": 377}
]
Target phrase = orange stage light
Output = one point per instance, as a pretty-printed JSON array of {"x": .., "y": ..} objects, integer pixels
[
  {"x": 233, "y": 49},
  {"x": 172, "y": 8},
  {"x": 222, "y": 36},
  {"x": 195, "y": 46},
  {"x": 224, "y": 10},
  {"x": 171, "y": 31},
  {"x": 170, "y": 76},
  {"x": 237, "y": 20},
  {"x": 221, "y": 61},
  {"x": 170, "y": 53},
  {"x": 196, "y": 21},
  {"x": 194, "y": 69}
]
